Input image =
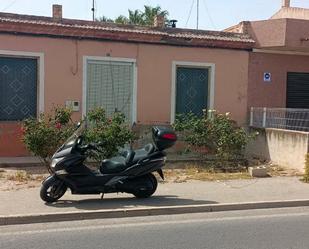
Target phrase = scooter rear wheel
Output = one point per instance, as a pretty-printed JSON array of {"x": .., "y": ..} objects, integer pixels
[
  {"x": 52, "y": 189},
  {"x": 151, "y": 185}
]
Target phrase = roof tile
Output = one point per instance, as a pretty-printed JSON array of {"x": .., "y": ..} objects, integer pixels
[{"x": 39, "y": 25}]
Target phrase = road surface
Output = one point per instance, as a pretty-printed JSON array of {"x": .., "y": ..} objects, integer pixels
[{"x": 274, "y": 228}]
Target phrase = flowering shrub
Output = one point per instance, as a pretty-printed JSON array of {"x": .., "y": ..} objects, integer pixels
[
  {"x": 215, "y": 131},
  {"x": 112, "y": 132},
  {"x": 44, "y": 135}
]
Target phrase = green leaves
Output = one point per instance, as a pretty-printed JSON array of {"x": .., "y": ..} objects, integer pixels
[
  {"x": 139, "y": 17},
  {"x": 113, "y": 132},
  {"x": 44, "y": 135},
  {"x": 215, "y": 131}
]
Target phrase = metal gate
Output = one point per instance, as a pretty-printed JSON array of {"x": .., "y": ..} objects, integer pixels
[
  {"x": 191, "y": 90},
  {"x": 18, "y": 88}
]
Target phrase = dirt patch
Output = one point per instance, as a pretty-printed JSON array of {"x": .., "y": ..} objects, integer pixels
[
  {"x": 30, "y": 177},
  {"x": 197, "y": 173},
  {"x": 21, "y": 178},
  {"x": 275, "y": 170}
]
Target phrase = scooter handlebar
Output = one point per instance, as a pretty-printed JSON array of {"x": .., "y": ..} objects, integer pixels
[{"x": 91, "y": 146}]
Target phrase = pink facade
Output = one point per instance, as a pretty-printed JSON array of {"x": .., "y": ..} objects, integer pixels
[
  {"x": 272, "y": 94},
  {"x": 236, "y": 61},
  {"x": 64, "y": 69}
]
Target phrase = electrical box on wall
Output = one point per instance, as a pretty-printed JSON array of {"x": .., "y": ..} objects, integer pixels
[{"x": 73, "y": 105}]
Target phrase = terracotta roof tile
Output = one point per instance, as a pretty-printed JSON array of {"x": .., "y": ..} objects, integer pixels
[{"x": 38, "y": 25}]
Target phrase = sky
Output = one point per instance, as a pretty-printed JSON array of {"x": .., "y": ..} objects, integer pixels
[{"x": 214, "y": 14}]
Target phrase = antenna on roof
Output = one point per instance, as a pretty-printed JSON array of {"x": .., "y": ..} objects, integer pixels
[
  {"x": 197, "y": 13},
  {"x": 92, "y": 9}
]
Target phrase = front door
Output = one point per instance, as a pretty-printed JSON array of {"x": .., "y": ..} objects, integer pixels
[
  {"x": 191, "y": 90},
  {"x": 18, "y": 101}
]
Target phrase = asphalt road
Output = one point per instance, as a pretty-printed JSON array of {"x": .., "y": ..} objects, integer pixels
[{"x": 276, "y": 228}]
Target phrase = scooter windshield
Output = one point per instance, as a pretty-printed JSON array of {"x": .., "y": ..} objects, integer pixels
[{"x": 72, "y": 140}]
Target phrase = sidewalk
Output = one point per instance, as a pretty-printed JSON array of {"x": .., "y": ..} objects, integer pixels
[{"x": 195, "y": 193}]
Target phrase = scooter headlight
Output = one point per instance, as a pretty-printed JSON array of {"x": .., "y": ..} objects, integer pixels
[{"x": 55, "y": 161}]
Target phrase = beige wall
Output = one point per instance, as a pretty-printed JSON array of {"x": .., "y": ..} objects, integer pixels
[
  {"x": 64, "y": 73},
  {"x": 268, "y": 33},
  {"x": 296, "y": 32},
  {"x": 282, "y": 147},
  {"x": 273, "y": 94},
  {"x": 280, "y": 34}
]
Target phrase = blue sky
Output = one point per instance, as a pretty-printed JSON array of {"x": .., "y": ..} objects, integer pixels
[{"x": 214, "y": 14}]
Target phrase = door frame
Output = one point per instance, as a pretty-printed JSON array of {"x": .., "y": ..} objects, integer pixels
[
  {"x": 211, "y": 82},
  {"x": 40, "y": 73},
  {"x": 110, "y": 59}
]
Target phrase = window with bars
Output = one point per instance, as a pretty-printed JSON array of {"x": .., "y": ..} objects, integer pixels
[{"x": 110, "y": 85}]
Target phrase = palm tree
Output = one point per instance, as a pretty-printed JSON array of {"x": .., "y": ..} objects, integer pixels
[
  {"x": 122, "y": 20},
  {"x": 137, "y": 17},
  {"x": 104, "y": 19},
  {"x": 151, "y": 12}
]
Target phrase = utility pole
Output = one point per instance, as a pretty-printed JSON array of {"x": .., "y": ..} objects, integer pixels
[
  {"x": 92, "y": 9},
  {"x": 197, "y": 13}
]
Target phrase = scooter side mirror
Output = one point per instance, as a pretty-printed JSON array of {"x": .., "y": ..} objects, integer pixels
[{"x": 78, "y": 125}]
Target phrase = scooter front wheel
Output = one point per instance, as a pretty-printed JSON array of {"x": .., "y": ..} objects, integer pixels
[{"x": 52, "y": 189}]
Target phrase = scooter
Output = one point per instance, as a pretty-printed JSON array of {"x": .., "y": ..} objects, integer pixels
[{"x": 131, "y": 172}]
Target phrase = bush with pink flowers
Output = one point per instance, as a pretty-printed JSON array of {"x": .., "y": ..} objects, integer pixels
[{"x": 44, "y": 135}]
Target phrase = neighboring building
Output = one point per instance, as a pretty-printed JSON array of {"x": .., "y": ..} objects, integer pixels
[
  {"x": 282, "y": 53},
  {"x": 137, "y": 70}
]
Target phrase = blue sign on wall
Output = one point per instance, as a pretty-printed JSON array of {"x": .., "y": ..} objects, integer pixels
[{"x": 267, "y": 77}]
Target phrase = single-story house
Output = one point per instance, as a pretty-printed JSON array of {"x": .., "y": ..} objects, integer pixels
[
  {"x": 136, "y": 70},
  {"x": 148, "y": 73}
]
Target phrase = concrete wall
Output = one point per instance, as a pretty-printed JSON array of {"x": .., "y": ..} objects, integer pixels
[
  {"x": 272, "y": 94},
  {"x": 268, "y": 33},
  {"x": 292, "y": 12},
  {"x": 278, "y": 34},
  {"x": 282, "y": 147},
  {"x": 63, "y": 75}
]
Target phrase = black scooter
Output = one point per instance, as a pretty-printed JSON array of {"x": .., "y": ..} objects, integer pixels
[{"x": 131, "y": 172}]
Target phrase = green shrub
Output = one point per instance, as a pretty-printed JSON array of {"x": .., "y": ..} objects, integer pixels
[
  {"x": 44, "y": 135},
  {"x": 216, "y": 131},
  {"x": 306, "y": 175},
  {"x": 113, "y": 132}
]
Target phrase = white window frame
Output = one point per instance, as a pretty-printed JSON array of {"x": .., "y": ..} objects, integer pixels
[
  {"x": 110, "y": 59},
  {"x": 211, "y": 83},
  {"x": 41, "y": 72}
]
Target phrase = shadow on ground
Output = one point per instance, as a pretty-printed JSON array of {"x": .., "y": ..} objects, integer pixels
[{"x": 127, "y": 202}]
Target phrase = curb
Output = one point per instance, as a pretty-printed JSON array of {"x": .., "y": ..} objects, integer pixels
[{"x": 135, "y": 212}]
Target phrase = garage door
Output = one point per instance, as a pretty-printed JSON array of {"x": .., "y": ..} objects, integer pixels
[
  {"x": 298, "y": 90},
  {"x": 110, "y": 85},
  {"x": 18, "y": 88}
]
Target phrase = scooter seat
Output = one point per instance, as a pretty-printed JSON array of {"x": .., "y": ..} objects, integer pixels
[
  {"x": 143, "y": 153},
  {"x": 127, "y": 158},
  {"x": 113, "y": 165}
]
